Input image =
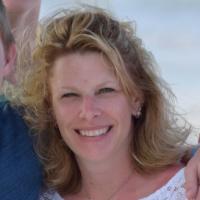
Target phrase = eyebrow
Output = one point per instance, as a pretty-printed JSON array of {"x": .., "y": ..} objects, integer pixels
[
  {"x": 105, "y": 83},
  {"x": 97, "y": 86}
]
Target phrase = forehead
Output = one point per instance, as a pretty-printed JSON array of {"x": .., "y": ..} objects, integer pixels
[
  {"x": 77, "y": 67},
  {"x": 87, "y": 61}
]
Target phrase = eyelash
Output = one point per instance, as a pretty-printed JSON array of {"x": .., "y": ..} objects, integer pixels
[
  {"x": 105, "y": 90},
  {"x": 71, "y": 94}
]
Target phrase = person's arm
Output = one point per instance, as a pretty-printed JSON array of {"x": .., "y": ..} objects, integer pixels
[
  {"x": 192, "y": 176},
  {"x": 22, "y": 14}
]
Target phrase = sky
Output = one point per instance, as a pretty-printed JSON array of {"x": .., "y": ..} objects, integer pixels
[{"x": 170, "y": 29}]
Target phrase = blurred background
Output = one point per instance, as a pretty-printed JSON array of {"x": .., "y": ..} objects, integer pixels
[{"x": 170, "y": 29}]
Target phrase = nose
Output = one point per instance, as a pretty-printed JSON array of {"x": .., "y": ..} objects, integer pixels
[{"x": 89, "y": 108}]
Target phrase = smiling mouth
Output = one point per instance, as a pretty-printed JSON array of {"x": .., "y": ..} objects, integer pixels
[{"x": 93, "y": 133}]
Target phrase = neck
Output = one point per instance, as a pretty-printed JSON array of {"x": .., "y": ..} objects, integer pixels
[{"x": 102, "y": 181}]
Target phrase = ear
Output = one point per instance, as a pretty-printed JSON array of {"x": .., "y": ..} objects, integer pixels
[
  {"x": 9, "y": 67},
  {"x": 136, "y": 105}
]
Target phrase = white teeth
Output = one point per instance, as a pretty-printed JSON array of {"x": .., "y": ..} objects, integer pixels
[{"x": 93, "y": 132}]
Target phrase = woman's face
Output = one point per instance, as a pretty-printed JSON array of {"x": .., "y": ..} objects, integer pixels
[{"x": 91, "y": 110}]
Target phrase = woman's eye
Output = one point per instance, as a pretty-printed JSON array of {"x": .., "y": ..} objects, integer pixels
[
  {"x": 70, "y": 94},
  {"x": 105, "y": 90}
]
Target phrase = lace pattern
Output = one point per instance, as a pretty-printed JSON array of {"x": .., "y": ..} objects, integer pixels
[{"x": 50, "y": 195}]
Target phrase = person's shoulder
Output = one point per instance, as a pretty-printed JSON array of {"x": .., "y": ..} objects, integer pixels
[
  {"x": 173, "y": 189},
  {"x": 14, "y": 133},
  {"x": 11, "y": 119},
  {"x": 7, "y": 109},
  {"x": 20, "y": 169}
]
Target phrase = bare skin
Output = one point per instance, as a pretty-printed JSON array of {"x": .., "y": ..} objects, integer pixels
[
  {"x": 192, "y": 174},
  {"x": 22, "y": 14}
]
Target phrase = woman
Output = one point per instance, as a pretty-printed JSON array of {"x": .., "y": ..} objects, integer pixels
[{"x": 106, "y": 125}]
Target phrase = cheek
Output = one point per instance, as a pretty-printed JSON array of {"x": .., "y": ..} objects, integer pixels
[
  {"x": 64, "y": 114},
  {"x": 123, "y": 116},
  {"x": 120, "y": 108}
]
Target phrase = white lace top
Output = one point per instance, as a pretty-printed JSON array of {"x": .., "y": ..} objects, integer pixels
[{"x": 172, "y": 190}]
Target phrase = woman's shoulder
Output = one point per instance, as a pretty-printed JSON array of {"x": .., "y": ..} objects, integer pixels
[{"x": 173, "y": 189}]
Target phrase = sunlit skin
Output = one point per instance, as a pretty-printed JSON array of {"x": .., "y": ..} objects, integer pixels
[
  {"x": 19, "y": 5},
  {"x": 87, "y": 96}
]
